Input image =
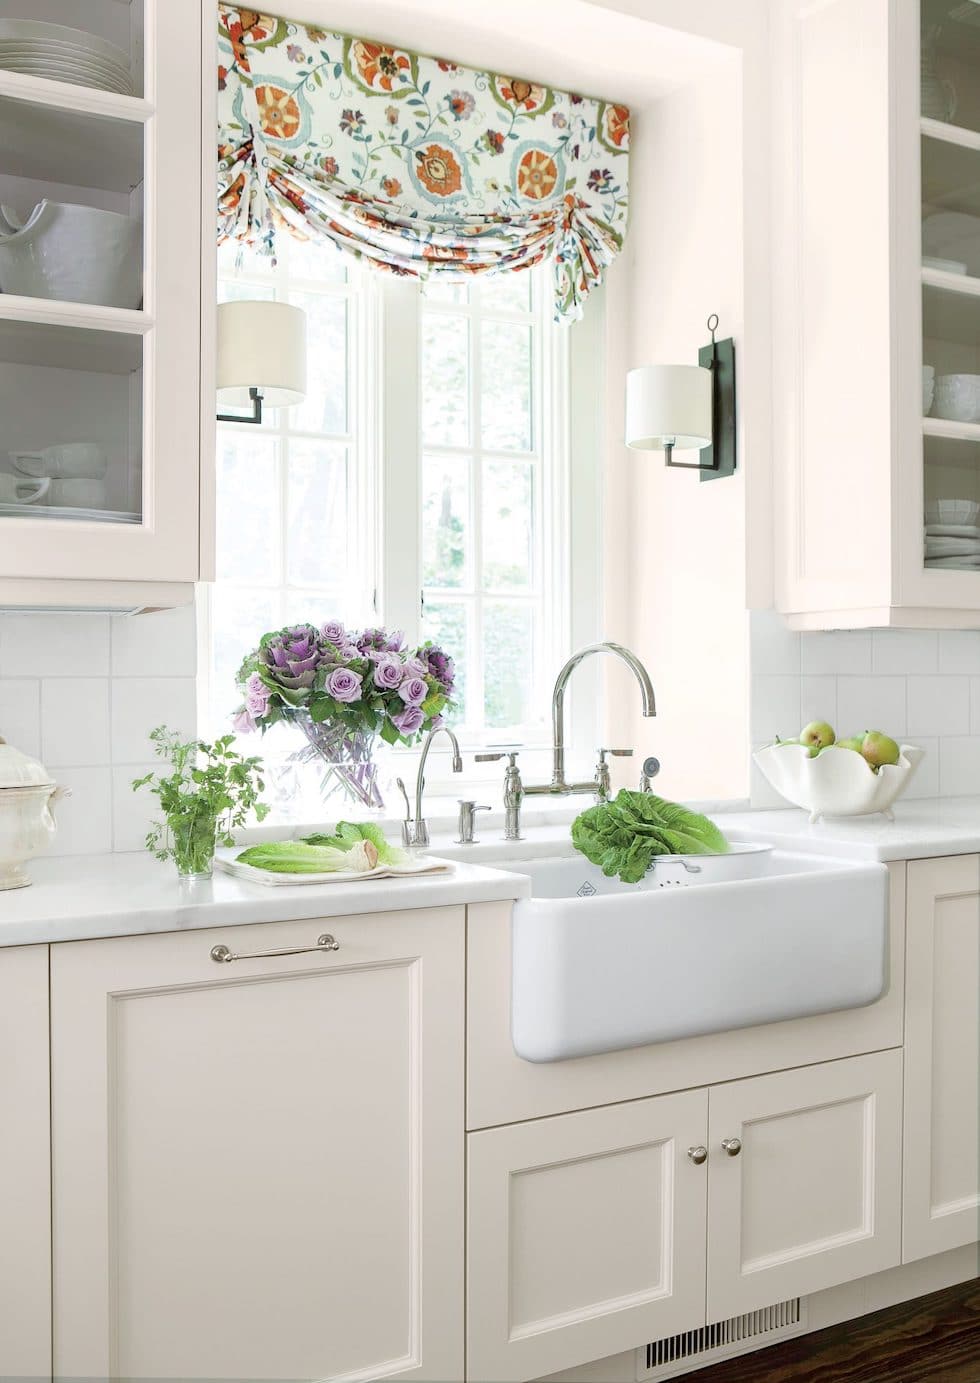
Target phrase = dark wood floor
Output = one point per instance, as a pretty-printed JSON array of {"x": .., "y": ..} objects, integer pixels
[{"x": 934, "y": 1339}]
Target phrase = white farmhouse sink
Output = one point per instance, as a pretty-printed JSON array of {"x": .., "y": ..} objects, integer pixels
[{"x": 599, "y": 965}]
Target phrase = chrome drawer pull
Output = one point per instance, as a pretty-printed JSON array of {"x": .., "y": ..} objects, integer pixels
[{"x": 323, "y": 943}]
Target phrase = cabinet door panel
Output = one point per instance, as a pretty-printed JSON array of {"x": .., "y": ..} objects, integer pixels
[
  {"x": 586, "y": 1235},
  {"x": 25, "y": 1190},
  {"x": 244, "y": 1152},
  {"x": 941, "y": 1207},
  {"x": 813, "y": 1197}
]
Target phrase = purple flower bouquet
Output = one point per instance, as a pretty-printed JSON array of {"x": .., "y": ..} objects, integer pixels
[{"x": 343, "y": 690}]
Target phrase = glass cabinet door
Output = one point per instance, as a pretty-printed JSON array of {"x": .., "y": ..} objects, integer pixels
[
  {"x": 100, "y": 245},
  {"x": 950, "y": 164}
]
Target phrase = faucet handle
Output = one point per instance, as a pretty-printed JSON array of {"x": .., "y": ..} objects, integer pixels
[
  {"x": 616, "y": 753},
  {"x": 492, "y": 757}
]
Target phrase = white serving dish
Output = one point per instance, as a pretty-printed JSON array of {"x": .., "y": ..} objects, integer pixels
[
  {"x": 599, "y": 965},
  {"x": 953, "y": 235},
  {"x": 957, "y": 398},
  {"x": 73, "y": 253},
  {"x": 27, "y": 824},
  {"x": 958, "y": 512},
  {"x": 838, "y": 782},
  {"x": 69, "y": 461},
  {"x": 43, "y": 36}
]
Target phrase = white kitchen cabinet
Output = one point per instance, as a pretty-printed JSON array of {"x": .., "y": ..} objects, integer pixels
[
  {"x": 126, "y": 380},
  {"x": 856, "y": 314},
  {"x": 25, "y": 1209},
  {"x": 809, "y": 1194},
  {"x": 585, "y": 1235},
  {"x": 941, "y": 1205},
  {"x": 258, "y": 1164}
]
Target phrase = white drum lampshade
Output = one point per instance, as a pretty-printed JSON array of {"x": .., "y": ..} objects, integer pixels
[
  {"x": 261, "y": 346},
  {"x": 668, "y": 406}
]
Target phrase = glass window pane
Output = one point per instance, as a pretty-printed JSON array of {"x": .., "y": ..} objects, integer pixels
[
  {"x": 325, "y": 407},
  {"x": 239, "y": 616},
  {"x": 446, "y": 559},
  {"x": 317, "y": 525},
  {"x": 316, "y": 607},
  {"x": 445, "y": 291},
  {"x": 445, "y": 623},
  {"x": 445, "y": 380},
  {"x": 236, "y": 290},
  {"x": 508, "y": 525},
  {"x": 507, "y": 657},
  {"x": 235, "y": 257},
  {"x": 319, "y": 260},
  {"x": 505, "y": 382},
  {"x": 509, "y": 292},
  {"x": 247, "y": 508}
]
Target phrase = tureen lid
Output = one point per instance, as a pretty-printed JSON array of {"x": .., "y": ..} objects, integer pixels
[{"x": 17, "y": 770}]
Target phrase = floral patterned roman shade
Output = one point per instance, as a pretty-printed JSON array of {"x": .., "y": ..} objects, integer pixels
[{"x": 417, "y": 164}]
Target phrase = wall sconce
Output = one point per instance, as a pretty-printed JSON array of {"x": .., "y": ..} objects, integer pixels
[
  {"x": 261, "y": 357},
  {"x": 687, "y": 406}
]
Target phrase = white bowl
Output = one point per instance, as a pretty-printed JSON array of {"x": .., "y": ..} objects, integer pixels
[
  {"x": 959, "y": 513},
  {"x": 957, "y": 398},
  {"x": 838, "y": 782}
]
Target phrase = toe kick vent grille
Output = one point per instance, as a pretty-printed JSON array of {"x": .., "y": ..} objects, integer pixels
[{"x": 693, "y": 1349}]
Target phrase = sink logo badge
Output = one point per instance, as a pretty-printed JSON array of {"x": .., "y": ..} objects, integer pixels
[{"x": 587, "y": 890}]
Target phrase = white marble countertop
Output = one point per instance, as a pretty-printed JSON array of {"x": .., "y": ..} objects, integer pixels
[
  {"x": 922, "y": 828},
  {"x": 75, "y": 898}
]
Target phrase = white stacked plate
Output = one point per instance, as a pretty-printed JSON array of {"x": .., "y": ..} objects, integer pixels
[{"x": 63, "y": 55}]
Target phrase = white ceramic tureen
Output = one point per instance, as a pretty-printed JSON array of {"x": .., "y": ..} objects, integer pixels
[{"x": 27, "y": 824}]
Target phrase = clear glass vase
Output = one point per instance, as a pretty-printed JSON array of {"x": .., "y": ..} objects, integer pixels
[
  {"x": 346, "y": 758},
  {"x": 193, "y": 842}
]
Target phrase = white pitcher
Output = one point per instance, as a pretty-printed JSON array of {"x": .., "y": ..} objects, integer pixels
[{"x": 73, "y": 253}]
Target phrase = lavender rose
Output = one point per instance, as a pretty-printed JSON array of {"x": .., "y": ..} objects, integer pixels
[
  {"x": 257, "y": 695},
  {"x": 242, "y": 722},
  {"x": 409, "y": 721},
  {"x": 344, "y": 685},
  {"x": 413, "y": 691},
  {"x": 334, "y": 632},
  {"x": 388, "y": 673},
  {"x": 415, "y": 667}
]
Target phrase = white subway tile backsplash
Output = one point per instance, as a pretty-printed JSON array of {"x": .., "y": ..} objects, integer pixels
[
  {"x": 818, "y": 700},
  {"x": 904, "y": 650},
  {"x": 85, "y": 818},
  {"x": 54, "y": 645},
  {"x": 163, "y": 644},
  {"x": 959, "y": 650},
  {"x": 762, "y": 794},
  {"x": 775, "y": 647},
  {"x": 140, "y": 704},
  {"x": 975, "y": 705},
  {"x": 775, "y": 708},
  {"x": 871, "y": 703},
  {"x": 74, "y": 721},
  {"x": 837, "y": 652},
  {"x": 132, "y": 811},
  {"x": 939, "y": 705},
  {"x": 959, "y": 765},
  {"x": 20, "y": 714}
]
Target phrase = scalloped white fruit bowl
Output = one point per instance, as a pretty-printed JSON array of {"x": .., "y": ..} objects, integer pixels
[{"x": 838, "y": 782}]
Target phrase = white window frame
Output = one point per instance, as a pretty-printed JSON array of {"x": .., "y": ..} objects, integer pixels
[{"x": 384, "y": 434}]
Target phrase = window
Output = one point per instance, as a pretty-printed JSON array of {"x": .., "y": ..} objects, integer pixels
[{"x": 428, "y": 482}]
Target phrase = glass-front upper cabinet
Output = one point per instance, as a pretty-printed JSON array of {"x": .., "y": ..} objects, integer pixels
[
  {"x": 949, "y": 95},
  {"x": 100, "y": 290}
]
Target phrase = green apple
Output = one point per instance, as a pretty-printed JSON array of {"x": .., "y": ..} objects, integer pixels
[
  {"x": 879, "y": 749},
  {"x": 855, "y": 742},
  {"x": 816, "y": 736}
]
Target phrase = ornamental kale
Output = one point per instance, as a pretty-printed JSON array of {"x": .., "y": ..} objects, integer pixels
[
  {"x": 624, "y": 836},
  {"x": 367, "y": 681}
]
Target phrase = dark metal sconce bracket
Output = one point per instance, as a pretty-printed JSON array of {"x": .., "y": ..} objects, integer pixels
[
  {"x": 256, "y": 417},
  {"x": 719, "y": 459}
]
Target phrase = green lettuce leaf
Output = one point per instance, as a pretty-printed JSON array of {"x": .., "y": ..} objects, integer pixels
[
  {"x": 299, "y": 857},
  {"x": 348, "y": 833},
  {"x": 624, "y": 836}
]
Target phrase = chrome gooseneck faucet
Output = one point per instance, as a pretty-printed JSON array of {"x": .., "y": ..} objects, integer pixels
[
  {"x": 558, "y": 785},
  {"x": 416, "y": 833}
]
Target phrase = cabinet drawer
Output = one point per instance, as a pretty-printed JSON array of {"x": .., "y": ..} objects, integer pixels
[{"x": 586, "y": 1235}]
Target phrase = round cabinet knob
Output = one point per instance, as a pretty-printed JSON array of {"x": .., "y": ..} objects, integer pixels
[
  {"x": 732, "y": 1146},
  {"x": 698, "y": 1154}
]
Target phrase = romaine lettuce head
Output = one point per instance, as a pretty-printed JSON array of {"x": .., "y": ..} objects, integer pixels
[
  {"x": 299, "y": 857},
  {"x": 624, "y": 836},
  {"x": 349, "y": 833}
]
